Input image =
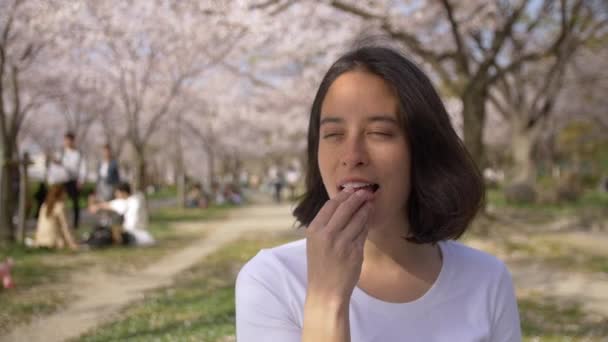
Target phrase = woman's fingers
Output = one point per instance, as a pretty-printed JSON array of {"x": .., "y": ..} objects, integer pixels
[
  {"x": 347, "y": 210},
  {"x": 329, "y": 208},
  {"x": 356, "y": 227}
]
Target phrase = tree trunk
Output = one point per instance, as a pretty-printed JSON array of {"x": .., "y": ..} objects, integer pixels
[
  {"x": 180, "y": 179},
  {"x": 8, "y": 198},
  {"x": 139, "y": 181},
  {"x": 522, "y": 143},
  {"x": 6, "y": 222},
  {"x": 8, "y": 201},
  {"x": 474, "y": 117},
  {"x": 22, "y": 213},
  {"x": 211, "y": 164},
  {"x": 181, "y": 189}
]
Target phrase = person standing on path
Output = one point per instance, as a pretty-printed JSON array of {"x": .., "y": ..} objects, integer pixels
[
  {"x": 108, "y": 175},
  {"x": 74, "y": 163},
  {"x": 292, "y": 177},
  {"x": 279, "y": 182}
]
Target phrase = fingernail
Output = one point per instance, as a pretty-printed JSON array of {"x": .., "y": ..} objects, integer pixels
[
  {"x": 348, "y": 190},
  {"x": 361, "y": 193}
]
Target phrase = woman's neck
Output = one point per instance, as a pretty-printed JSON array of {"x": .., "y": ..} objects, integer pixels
[{"x": 386, "y": 245}]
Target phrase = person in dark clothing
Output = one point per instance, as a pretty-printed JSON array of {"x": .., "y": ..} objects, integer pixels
[{"x": 108, "y": 175}]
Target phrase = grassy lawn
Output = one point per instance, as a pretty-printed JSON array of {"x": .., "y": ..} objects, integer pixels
[
  {"x": 40, "y": 275},
  {"x": 199, "y": 307},
  {"x": 557, "y": 254},
  {"x": 544, "y": 319},
  {"x": 591, "y": 200},
  {"x": 163, "y": 193}
]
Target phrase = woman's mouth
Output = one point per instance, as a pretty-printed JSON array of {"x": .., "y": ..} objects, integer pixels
[{"x": 371, "y": 187}]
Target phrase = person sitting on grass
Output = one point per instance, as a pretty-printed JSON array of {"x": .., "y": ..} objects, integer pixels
[
  {"x": 52, "y": 230},
  {"x": 195, "y": 198},
  {"x": 133, "y": 209}
]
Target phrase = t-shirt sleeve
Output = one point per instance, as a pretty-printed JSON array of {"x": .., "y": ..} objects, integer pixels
[
  {"x": 118, "y": 205},
  {"x": 262, "y": 314},
  {"x": 505, "y": 323}
]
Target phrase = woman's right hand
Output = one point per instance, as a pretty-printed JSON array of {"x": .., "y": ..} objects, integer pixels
[{"x": 334, "y": 247}]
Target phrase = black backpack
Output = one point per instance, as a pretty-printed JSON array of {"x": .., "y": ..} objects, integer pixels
[{"x": 101, "y": 236}]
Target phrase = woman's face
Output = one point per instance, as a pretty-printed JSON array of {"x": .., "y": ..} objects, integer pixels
[{"x": 361, "y": 142}]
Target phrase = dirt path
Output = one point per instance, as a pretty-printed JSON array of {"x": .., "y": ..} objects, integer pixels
[
  {"x": 99, "y": 295},
  {"x": 533, "y": 277}
]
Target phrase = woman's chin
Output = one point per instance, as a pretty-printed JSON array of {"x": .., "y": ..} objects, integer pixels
[{"x": 381, "y": 220}]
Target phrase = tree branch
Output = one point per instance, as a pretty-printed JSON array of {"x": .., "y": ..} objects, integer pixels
[
  {"x": 435, "y": 59},
  {"x": 16, "y": 100},
  {"x": 499, "y": 40},
  {"x": 3, "y": 51},
  {"x": 164, "y": 109},
  {"x": 462, "y": 55}
]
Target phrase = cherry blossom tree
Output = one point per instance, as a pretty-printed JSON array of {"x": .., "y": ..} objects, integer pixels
[
  {"x": 27, "y": 34},
  {"x": 147, "y": 51},
  {"x": 468, "y": 44},
  {"x": 527, "y": 96}
]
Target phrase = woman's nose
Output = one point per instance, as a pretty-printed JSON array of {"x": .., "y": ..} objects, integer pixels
[{"x": 354, "y": 153}]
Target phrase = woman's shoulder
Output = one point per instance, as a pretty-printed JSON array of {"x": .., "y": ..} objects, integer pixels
[
  {"x": 470, "y": 261},
  {"x": 289, "y": 258},
  {"x": 287, "y": 254}
]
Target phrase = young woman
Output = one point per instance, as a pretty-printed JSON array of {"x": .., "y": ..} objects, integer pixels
[
  {"x": 389, "y": 187},
  {"x": 52, "y": 229}
]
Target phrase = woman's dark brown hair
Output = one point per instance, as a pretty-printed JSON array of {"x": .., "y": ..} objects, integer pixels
[
  {"x": 55, "y": 194},
  {"x": 447, "y": 189}
]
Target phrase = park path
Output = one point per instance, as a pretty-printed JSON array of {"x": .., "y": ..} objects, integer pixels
[
  {"x": 99, "y": 295},
  {"x": 533, "y": 277}
]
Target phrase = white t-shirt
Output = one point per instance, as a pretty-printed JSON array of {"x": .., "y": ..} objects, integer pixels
[
  {"x": 103, "y": 169},
  {"x": 472, "y": 300},
  {"x": 73, "y": 163},
  {"x": 135, "y": 214}
]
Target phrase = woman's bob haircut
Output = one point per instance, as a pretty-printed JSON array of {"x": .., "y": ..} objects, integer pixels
[{"x": 447, "y": 189}]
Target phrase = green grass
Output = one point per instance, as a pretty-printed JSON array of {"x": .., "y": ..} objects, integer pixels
[
  {"x": 591, "y": 199},
  {"x": 199, "y": 307},
  {"x": 543, "y": 319},
  {"x": 163, "y": 193},
  {"x": 557, "y": 254},
  {"x": 37, "y": 272}
]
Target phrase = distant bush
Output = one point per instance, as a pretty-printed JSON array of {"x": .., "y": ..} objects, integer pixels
[
  {"x": 520, "y": 193},
  {"x": 569, "y": 188}
]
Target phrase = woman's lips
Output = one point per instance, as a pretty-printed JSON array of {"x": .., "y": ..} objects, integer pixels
[
  {"x": 371, "y": 190},
  {"x": 373, "y": 187}
]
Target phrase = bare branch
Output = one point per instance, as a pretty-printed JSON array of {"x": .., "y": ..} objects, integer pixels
[
  {"x": 435, "y": 59},
  {"x": 462, "y": 55},
  {"x": 500, "y": 37},
  {"x": 354, "y": 10}
]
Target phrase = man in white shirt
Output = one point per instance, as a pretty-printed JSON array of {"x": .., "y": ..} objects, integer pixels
[
  {"x": 133, "y": 209},
  {"x": 74, "y": 164}
]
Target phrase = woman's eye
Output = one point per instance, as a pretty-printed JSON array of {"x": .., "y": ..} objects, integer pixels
[
  {"x": 383, "y": 134},
  {"x": 331, "y": 135}
]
